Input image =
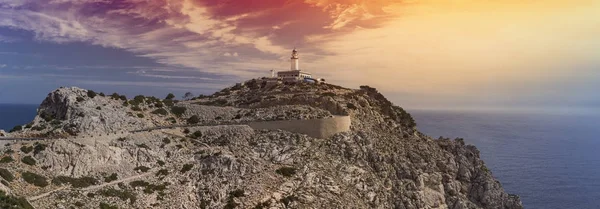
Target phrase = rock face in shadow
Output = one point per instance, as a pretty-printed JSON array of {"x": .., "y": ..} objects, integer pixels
[{"x": 381, "y": 162}]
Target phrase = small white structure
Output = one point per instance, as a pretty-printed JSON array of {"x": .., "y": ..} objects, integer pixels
[{"x": 294, "y": 74}]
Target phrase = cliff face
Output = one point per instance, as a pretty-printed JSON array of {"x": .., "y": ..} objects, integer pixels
[{"x": 215, "y": 161}]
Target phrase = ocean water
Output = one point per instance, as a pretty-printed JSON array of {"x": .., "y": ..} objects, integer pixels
[
  {"x": 16, "y": 114},
  {"x": 549, "y": 160}
]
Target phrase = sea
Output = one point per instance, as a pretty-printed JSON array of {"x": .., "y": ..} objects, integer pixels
[
  {"x": 12, "y": 115},
  {"x": 551, "y": 160}
]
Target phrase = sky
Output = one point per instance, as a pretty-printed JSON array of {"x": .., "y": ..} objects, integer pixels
[{"x": 419, "y": 53}]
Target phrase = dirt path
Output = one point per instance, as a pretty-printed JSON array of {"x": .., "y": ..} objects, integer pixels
[
  {"x": 116, "y": 182},
  {"x": 37, "y": 197},
  {"x": 34, "y": 198}
]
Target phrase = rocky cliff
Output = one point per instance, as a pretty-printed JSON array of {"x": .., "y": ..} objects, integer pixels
[{"x": 93, "y": 150}]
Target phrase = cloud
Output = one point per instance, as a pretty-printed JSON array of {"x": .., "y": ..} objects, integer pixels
[
  {"x": 8, "y": 39},
  {"x": 436, "y": 49},
  {"x": 155, "y": 84},
  {"x": 185, "y": 33},
  {"x": 3, "y": 66},
  {"x": 144, "y": 73}
]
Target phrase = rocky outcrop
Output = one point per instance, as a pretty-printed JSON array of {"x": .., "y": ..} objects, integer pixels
[
  {"x": 381, "y": 162},
  {"x": 76, "y": 112}
]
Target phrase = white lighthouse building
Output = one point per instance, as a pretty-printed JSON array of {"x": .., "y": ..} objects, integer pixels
[{"x": 294, "y": 74}]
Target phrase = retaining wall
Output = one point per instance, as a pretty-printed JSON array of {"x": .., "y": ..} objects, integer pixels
[{"x": 317, "y": 128}]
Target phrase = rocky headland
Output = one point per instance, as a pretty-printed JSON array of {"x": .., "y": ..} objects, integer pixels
[{"x": 89, "y": 150}]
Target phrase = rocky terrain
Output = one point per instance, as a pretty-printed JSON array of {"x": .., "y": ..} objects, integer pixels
[{"x": 90, "y": 150}]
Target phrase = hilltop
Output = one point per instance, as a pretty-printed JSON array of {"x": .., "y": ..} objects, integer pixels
[{"x": 91, "y": 150}]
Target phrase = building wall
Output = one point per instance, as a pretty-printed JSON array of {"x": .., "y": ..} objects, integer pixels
[
  {"x": 295, "y": 64},
  {"x": 293, "y": 75},
  {"x": 317, "y": 128}
]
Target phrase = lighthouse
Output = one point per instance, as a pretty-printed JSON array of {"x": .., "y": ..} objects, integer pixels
[
  {"x": 294, "y": 60},
  {"x": 294, "y": 74}
]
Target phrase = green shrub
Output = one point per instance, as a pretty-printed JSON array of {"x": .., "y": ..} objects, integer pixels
[
  {"x": 151, "y": 100},
  {"x": 11, "y": 202},
  {"x": 168, "y": 102},
  {"x": 231, "y": 204},
  {"x": 26, "y": 149},
  {"x": 351, "y": 106},
  {"x": 178, "y": 111},
  {"x": 138, "y": 183},
  {"x": 80, "y": 99},
  {"x": 38, "y": 128},
  {"x": 75, "y": 182},
  {"x": 289, "y": 199},
  {"x": 91, "y": 94},
  {"x": 193, "y": 120},
  {"x": 162, "y": 172},
  {"x": 104, "y": 205},
  {"x": 170, "y": 96},
  {"x": 28, "y": 160},
  {"x": 186, "y": 131},
  {"x": 263, "y": 205},
  {"x": 112, "y": 177},
  {"x": 121, "y": 139},
  {"x": 237, "y": 193},
  {"x": 7, "y": 159},
  {"x": 55, "y": 122},
  {"x": 121, "y": 194},
  {"x": 331, "y": 94},
  {"x": 160, "y": 111},
  {"x": 139, "y": 99},
  {"x": 143, "y": 146},
  {"x": 123, "y": 97},
  {"x": 98, "y": 108},
  {"x": 143, "y": 169},
  {"x": 6, "y": 174},
  {"x": 101, "y": 94},
  {"x": 196, "y": 134},
  {"x": 47, "y": 117},
  {"x": 186, "y": 168},
  {"x": 460, "y": 141},
  {"x": 148, "y": 187},
  {"x": 166, "y": 141},
  {"x": 159, "y": 104},
  {"x": 140, "y": 115},
  {"x": 160, "y": 162},
  {"x": 39, "y": 147},
  {"x": 115, "y": 96},
  {"x": 136, "y": 108},
  {"x": 16, "y": 128},
  {"x": 35, "y": 179},
  {"x": 286, "y": 171}
]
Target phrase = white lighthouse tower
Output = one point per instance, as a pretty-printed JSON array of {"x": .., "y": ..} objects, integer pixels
[
  {"x": 294, "y": 60},
  {"x": 295, "y": 74}
]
